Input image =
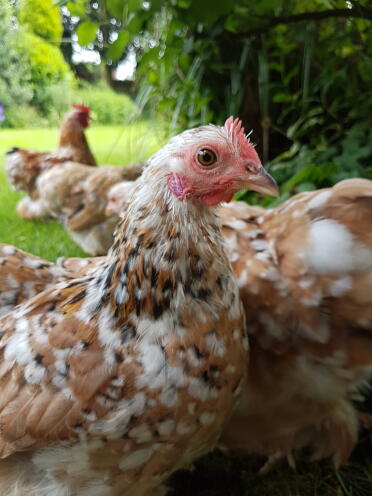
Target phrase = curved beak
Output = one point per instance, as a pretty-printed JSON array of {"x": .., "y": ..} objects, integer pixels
[{"x": 261, "y": 182}]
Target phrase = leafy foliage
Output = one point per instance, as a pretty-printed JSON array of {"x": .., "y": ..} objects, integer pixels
[
  {"x": 109, "y": 27},
  {"x": 31, "y": 67},
  {"x": 47, "y": 67},
  {"x": 42, "y": 18},
  {"x": 31, "y": 63},
  {"x": 46, "y": 61},
  {"x": 14, "y": 74},
  {"x": 86, "y": 32}
]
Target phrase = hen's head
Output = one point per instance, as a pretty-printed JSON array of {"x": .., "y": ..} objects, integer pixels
[
  {"x": 118, "y": 197},
  {"x": 80, "y": 113},
  {"x": 212, "y": 163}
]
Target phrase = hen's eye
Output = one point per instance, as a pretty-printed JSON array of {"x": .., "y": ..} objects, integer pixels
[{"x": 206, "y": 157}]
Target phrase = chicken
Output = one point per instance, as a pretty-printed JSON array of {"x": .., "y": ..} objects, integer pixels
[
  {"x": 118, "y": 198},
  {"x": 304, "y": 271},
  {"x": 23, "y": 276},
  {"x": 76, "y": 196},
  {"x": 111, "y": 381},
  {"x": 25, "y": 166},
  {"x": 309, "y": 319}
]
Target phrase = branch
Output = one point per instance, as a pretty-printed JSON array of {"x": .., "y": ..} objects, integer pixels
[{"x": 358, "y": 11}]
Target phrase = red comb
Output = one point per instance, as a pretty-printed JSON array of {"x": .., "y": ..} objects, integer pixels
[
  {"x": 235, "y": 132},
  {"x": 81, "y": 107}
]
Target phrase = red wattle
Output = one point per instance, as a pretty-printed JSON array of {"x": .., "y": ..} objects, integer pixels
[
  {"x": 178, "y": 185},
  {"x": 216, "y": 197}
]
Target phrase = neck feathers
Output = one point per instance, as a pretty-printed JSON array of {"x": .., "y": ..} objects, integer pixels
[
  {"x": 72, "y": 136},
  {"x": 71, "y": 132},
  {"x": 164, "y": 251}
]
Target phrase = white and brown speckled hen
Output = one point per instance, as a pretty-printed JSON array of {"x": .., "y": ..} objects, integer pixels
[
  {"x": 24, "y": 167},
  {"x": 305, "y": 277},
  {"x": 304, "y": 271},
  {"x": 111, "y": 381}
]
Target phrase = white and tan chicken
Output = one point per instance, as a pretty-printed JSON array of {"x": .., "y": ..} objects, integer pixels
[
  {"x": 305, "y": 275},
  {"x": 111, "y": 381},
  {"x": 76, "y": 196},
  {"x": 304, "y": 271}
]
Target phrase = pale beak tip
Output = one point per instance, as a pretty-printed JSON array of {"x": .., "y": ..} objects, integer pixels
[{"x": 263, "y": 183}]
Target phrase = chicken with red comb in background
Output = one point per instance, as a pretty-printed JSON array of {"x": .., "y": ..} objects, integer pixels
[
  {"x": 24, "y": 167},
  {"x": 83, "y": 115}
]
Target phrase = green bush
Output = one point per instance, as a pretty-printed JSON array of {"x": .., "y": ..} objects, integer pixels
[
  {"x": 14, "y": 71},
  {"x": 42, "y": 18},
  {"x": 54, "y": 100},
  {"x": 47, "y": 68},
  {"x": 35, "y": 80},
  {"x": 109, "y": 107},
  {"x": 46, "y": 61},
  {"x": 24, "y": 116}
]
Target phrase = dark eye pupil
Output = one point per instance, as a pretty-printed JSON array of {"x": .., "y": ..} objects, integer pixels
[{"x": 206, "y": 157}]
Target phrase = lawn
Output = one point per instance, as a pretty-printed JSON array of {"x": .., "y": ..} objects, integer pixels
[
  {"x": 117, "y": 145},
  {"x": 214, "y": 475}
]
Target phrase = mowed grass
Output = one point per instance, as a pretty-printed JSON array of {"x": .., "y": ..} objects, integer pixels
[
  {"x": 214, "y": 475},
  {"x": 116, "y": 145}
]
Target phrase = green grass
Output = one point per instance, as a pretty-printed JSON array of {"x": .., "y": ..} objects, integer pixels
[
  {"x": 214, "y": 475},
  {"x": 118, "y": 145}
]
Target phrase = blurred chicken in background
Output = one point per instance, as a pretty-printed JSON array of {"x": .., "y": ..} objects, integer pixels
[{"x": 24, "y": 167}]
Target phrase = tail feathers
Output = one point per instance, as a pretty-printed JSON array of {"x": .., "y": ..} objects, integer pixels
[{"x": 13, "y": 150}]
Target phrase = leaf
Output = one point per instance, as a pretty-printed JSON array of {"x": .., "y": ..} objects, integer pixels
[
  {"x": 209, "y": 11},
  {"x": 183, "y": 4},
  {"x": 135, "y": 24},
  {"x": 149, "y": 57},
  {"x": 86, "y": 32},
  {"x": 115, "y": 7},
  {"x": 152, "y": 77},
  {"x": 134, "y": 5},
  {"x": 116, "y": 50},
  {"x": 76, "y": 9},
  {"x": 60, "y": 3},
  {"x": 184, "y": 61},
  {"x": 282, "y": 97}
]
